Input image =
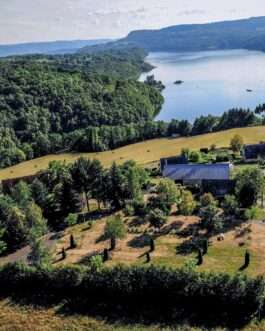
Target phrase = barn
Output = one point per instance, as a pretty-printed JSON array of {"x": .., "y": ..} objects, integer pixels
[{"x": 214, "y": 178}]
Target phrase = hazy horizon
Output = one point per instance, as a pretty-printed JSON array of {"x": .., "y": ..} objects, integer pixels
[{"x": 42, "y": 21}]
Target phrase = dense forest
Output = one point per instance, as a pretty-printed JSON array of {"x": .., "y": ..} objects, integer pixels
[{"x": 44, "y": 100}]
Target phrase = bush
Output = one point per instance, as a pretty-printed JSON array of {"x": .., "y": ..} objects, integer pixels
[
  {"x": 207, "y": 199},
  {"x": 208, "y": 297},
  {"x": 253, "y": 213},
  {"x": 195, "y": 157},
  {"x": 129, "y": 209},
  {"x": 223, "y": 157},
  {"x": 71, "y": 219},
  {"x": 157, "y": 218},
  {"x": 188, "y": 204},
  {"x": 230, "y": 205},
  {"x": 236, "y": 143}
]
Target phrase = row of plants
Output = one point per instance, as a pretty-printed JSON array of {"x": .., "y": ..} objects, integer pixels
[{"x": 155, "y": 293}]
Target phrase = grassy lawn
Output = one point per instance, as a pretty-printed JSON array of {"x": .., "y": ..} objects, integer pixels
[
  {"x": 171, "y": 249},
  {"x": 143, "y": 153}
]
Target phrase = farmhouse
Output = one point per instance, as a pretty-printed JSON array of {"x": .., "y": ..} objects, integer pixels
[
  {"x": 214, "y": 178},
  {"x": 254, "y": 151}
]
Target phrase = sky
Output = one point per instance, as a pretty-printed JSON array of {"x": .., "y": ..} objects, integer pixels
[{"x": 44, "y": 20}]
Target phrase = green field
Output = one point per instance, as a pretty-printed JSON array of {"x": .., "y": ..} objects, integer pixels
[{"x": 143, "y": 153}]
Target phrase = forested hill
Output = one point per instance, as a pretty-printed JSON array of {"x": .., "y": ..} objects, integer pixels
[
  {"x": 52, "y": 47},
  {"x": 46, "y": 102},
  {"x": 245, "y": 34}
]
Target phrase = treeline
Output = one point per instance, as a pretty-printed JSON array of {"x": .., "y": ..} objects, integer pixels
[
  {"x": 96, "y": 139},
  {"x": 153, "y": 293},
  {"x": 27, "y": 210},
  {"x": 125, "y": 63}
]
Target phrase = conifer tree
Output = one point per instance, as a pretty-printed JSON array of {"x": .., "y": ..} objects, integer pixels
[{"x": 199, "y": 257}]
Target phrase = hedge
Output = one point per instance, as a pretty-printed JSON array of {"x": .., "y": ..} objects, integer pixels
[{"x": 150, "y": 291}]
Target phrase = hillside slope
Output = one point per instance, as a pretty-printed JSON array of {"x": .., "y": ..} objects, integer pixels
[
  {"x": 143, "y": 153},
  {"x": 52, "y": 47},
  {"x": 245, "y": 34}
]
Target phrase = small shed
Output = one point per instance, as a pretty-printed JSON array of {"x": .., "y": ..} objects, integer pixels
[{"x": 254, "y": 151}]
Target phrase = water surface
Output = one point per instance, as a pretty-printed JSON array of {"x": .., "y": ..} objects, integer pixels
[{"x": 214, "y": 82}]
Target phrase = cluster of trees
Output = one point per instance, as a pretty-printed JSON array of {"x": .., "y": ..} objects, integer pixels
[
  {"x": 249, "y": 189},
  {"x": 44, "y": 104},
  {"x": 59, "y": 192},
  {"x": 109, "y": 137},
  {"x": 186, "y": 294},
  {"x": 168, "y": 194}
]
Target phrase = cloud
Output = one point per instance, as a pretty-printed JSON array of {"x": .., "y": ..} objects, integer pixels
[
  {"x": 191, "y": 12},
  {"x": 35, "y": 20}
]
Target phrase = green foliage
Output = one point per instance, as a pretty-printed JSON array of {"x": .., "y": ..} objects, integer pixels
[
  {"x": 187, "y": 203},
  {"x": 150, "y": 80},
  {"x": 253, "y": 213},
  {"x": 39, "y": 256},
  {"x": 71, "y": 219},
  {"x": 35, "y": 221},
  {"x": 249, "y": 186},
  {"x": 51, "y": 103},
  {"x": 195, "y": 157},
  {"x": 207, "y": 199},
  {"x": 21, "y": 193},
  {"x": 211, "y": 218},
  {"x": 142, "y": 290},
  {"x": 3, "y": 245},
  {"x": 168, "y": 192},
  {"x": 157, "y": 218},
  {"x": 186, "y": 153},
  {"x": 237, "y": 143},
  {"x": 96, "y": 263},
  {"x": 115, "y": 228},
  {"x": 230, "y": 205}
]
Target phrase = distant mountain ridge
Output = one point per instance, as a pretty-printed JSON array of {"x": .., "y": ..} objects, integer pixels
[
  {"x": 238, "y": 34},
  {"x": 244, "y": 33},
  {"x": 52, "y": 47}
]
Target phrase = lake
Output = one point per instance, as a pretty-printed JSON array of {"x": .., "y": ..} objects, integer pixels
[{"x": 214, "y": 82}]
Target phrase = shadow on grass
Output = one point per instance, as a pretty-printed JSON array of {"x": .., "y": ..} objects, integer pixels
[
  {"x": 140, "y": 241},
  {"x": 131, "y": 313}
]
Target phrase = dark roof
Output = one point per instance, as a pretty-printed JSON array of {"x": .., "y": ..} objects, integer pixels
[
  {"x": 193, "y": 172},
  {"x": 254, "y": 151},
  {"x": 179, "y": 159}
]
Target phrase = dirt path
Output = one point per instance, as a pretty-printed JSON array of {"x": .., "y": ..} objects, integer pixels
[{"x": 49, "y": 241}]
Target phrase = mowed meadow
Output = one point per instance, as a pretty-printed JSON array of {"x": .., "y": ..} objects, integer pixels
[{"x": 143, "y": 153}]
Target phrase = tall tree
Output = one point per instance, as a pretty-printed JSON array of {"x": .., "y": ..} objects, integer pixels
[{"x": 114, "y": 229}]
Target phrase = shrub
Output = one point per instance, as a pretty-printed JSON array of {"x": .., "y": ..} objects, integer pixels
[
  {"x": 157, "y": 218},
  {"x": 207, "y": 199},
  {"x": 96, "y": 262},
  {"x": 230, "y": 205},
  {"x": 71, "y": 219},
  {"x": 195, "y": 157},
  {"x": 253, "y": 213},
  {"x": 114, "y": 229},
  {"x": 129, "y": 209},
  {"x": 188, "y": 204},
  {"x": 206, "y": 296},
  {"x": 236, "y": 143}
]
